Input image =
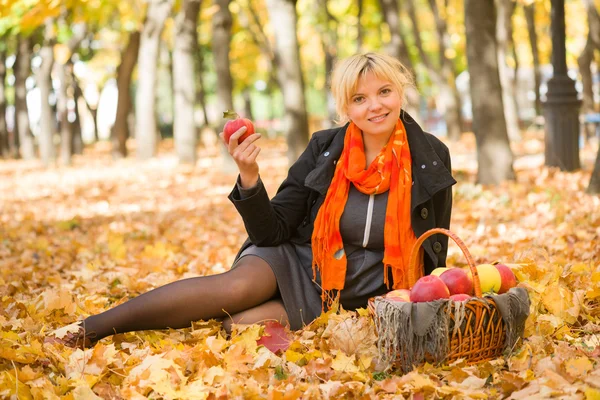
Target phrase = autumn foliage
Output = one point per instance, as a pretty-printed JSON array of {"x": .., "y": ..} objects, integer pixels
[{"x": 76, "y": 241}]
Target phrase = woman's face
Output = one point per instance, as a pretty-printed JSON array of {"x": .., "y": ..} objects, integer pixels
[{"x": 375, "y": 107}]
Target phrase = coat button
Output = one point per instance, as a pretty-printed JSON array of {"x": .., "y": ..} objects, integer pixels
[
  {"x": 437, "y": 247},
  {"x": 424, "y": 213},
  {"x": 326, "y": 154}
]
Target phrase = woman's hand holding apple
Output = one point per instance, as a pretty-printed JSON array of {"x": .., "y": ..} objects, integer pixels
[{"x": 244, "y": 154}]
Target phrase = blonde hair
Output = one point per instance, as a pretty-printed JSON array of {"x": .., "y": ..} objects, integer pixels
[{"x": 347, "y": 72}]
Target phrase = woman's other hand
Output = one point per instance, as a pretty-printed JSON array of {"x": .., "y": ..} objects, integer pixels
[{"x": 244, "y": 154}]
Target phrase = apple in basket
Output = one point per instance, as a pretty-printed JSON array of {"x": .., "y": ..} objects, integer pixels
[
  {"x": 429, "y": 288},
  {"x": 439, "y": 271},
  {"x": 461, "y": 297},
  {"x": 507, "y": 278},
  {"x": 489, "y": 277},
  {"x": 398, "y": 295},
  {"x": 458, "y": 281}
]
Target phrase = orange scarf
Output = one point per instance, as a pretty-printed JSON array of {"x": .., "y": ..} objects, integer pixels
[{"x": 391, "y": 170}]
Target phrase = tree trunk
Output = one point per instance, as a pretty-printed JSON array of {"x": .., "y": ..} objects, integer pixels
[
  {"x": 77, "y": 139},
  {"x": 22, "y": 70},
  {"x": 200, "y": 93},
  {"x": 4, "y": 143},
  {"x": 359, "y": 30},
  {"x": 184, "y": 78},
  {"x": 146, "y": 132},
  {"x": 120, "y": 130},
  {"x": 503, "y": 36},
  {"x": 449, "y": 91},
  {"x": 585, "y": 61},
  {"x": 247, "y": 104},
  {"x": 283, "y": 17},
  {"x": 397, "y": 48},
  {"x": 530, "y": 17},
  {"x": 327, "y": 27},
  {"x": 44, "y": 83},
  {"x": 66, "y": 93},
  {"x": 446, "y": 95},
  {"x": 594, "y": 186},
  {"x": 494, "y": 156},
  {"x": 62, "y": 97},
  {"x": 221, "y": 33}
]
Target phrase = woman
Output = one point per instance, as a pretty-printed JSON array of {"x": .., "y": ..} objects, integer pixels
[{"x": 341, "y": 226}]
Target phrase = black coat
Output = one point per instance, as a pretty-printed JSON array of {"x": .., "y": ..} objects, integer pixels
[{"x": 291, "y": 214}]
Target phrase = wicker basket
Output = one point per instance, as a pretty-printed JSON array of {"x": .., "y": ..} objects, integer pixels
[{"x": 481, "y": 335}]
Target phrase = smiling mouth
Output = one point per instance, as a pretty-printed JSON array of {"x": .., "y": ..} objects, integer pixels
[{"x": 378, "y": 118}]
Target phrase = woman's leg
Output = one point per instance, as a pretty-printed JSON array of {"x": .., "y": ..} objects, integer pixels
[
  {"x": 272, "y": 310},
  {"x": 177, "y": 304}
]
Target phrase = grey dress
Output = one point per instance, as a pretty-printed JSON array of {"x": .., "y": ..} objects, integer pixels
[{"x": 292, "y": 263}]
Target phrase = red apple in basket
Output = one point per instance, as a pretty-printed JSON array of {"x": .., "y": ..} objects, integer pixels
[
  {"x": 429, "y": 288},
  {"x": 236, "y": 122},
  {"x": 458, "y": 281},
  {"x": 507, "y": 278},
  {"x": 460, "y": 297},
  {"x": 398, "y": 295}
]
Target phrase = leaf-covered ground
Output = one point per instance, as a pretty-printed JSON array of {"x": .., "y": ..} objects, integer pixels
[{"x": 75, "y": 241}]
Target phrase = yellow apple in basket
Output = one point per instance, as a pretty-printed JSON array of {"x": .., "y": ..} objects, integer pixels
[
  {"x": 438, "y": 271},
  {"x": 398, "y": 295},
  {"x": 489, "y": 277}
]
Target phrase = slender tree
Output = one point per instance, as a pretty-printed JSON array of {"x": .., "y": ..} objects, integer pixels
[
  {"x": 585, "y": 61},
  {"x": 120, "y": 130},
  {"x": 44, "y": 83},
  {"x": 22, "y": 70},
  {"x": 4, "y": 143},
  {"x": 327, "y": 27},
  {"x": 359, "y": 28},
  {"x": 146, "y": 133},
  {"x": 66, "y": 92},
  {"x": 494, "y": 156},
  {"x": 283, "y": 17},
  {"x": 221, "y": 33},
  {"x": 441, "y": 72},
  {"x": 397, "y": 47},
  {"x": 529, "y": 10},
  {"x": 504, "y": 32},
  {"x": 184, "y": 78}
]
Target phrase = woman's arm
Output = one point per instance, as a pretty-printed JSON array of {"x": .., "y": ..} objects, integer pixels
[{"x": 271, "y": 222}]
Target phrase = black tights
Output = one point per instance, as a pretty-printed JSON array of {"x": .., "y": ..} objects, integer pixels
[{"x": 247, "y": 293}]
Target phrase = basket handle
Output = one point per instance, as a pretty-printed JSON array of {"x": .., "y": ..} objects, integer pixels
[{"x": 414, "y": 254}]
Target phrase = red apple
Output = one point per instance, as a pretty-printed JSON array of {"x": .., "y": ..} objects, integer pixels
[
  {"x": 460, "y": 297},
  {"x": 458, "y": 281},
  {"x": 235, "y": 123},
  {"x": 398, "y": 295},
  {"x": 507, "y": 277},
  {"x": 429, "y": 288}
]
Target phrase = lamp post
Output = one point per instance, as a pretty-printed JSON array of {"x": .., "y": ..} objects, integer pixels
[{"x": 561, "y": 108}]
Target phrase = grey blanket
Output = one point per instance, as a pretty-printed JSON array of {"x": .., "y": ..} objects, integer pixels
[{"x": 409, "y": 331}]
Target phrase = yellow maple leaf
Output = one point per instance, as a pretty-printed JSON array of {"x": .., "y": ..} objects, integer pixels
[
  {"x": 578, "y": 367},
  {"x": 116, "y": 246},
  {"x": 343, "y": 363},
  {"x": 592, "y": 394},
  {"x": 10, "y": 386},
  {"x": 246, "y": 336},
  {"x": 293, "y": 356},
  {"x": 58, "y": 300}
]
